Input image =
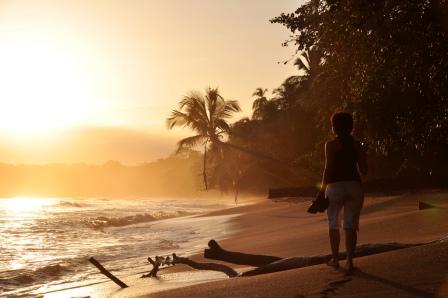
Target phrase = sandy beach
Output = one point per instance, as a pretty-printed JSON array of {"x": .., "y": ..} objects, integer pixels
[
  {"x": 284, "y": 229},
  {"x": 154, "y": 148}
]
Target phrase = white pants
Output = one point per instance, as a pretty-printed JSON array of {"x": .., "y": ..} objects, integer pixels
[{"x": 347, "y": 194}]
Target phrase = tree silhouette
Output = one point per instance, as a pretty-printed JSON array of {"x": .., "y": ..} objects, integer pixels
[
  {"x": 308, "y": 62},
  {"x": 206, "y": 115},
  {"x": 386, "y": 62},
  {"x": 260, "y": 103}
]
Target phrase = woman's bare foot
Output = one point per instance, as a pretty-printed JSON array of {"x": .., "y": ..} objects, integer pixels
[
  {"x": 333, "y": 263},
  {"x": 350, "y": 269}
]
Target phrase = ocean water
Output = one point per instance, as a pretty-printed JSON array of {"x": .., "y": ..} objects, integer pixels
[{"x": 45, "y": 243}]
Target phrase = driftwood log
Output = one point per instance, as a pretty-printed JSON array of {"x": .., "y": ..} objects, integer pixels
[
  {"x": 155, "y": 268},
  {"x": 156, "y": 263},
  {"x": 159, "y": 261},
  {"x": 216, "y": 252},
  {"x": 299, "y": 262},
  {"x": 205, "y": 266},
  {"x": 107, "y": 273},
  {"x": 280, "y": 264}
]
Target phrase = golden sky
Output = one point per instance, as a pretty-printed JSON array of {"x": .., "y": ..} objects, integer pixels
[{"x": 111, "y": 71}]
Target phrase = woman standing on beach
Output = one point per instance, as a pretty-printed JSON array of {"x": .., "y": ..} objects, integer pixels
[{"x": 345, "y": 159}]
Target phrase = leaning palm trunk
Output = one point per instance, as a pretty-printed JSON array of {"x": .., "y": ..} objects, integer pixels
[
  {"x": 277, "y": 161},
  {"x": 204, "y": 169}
]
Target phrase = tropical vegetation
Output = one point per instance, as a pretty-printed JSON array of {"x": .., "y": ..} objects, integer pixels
[
  {"x": 384, "y": 61},
  {"x": 207, "y": 116}
]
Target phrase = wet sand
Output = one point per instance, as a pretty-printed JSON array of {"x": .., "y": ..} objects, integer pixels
[{"x": 284, "y": 229}]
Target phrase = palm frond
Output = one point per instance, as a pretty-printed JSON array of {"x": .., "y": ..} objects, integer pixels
[
  {"x": 194, "y": 103},
  {"x": 260, "y": 92},
  {"x": 190, "y": 142},
  {"x": 190, "y": 98},
  {"x": 177, "y": 118},
  {"x": 222, "y": 125},
  {"x": 315, "y": 59},
  {"x": 259, "y": 103},
  {"x": 214, "y": 101},
  {"x": 204, "y": 114},
  {"x": 301, "y": 65},
  {"x": 233, "y": 105},
  {"x": 226, "y": 109}
]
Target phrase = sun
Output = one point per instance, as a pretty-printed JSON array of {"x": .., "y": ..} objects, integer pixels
[{"x": 43, "y": 88}]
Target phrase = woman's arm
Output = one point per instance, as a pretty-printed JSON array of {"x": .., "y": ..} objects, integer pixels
[{"x": 329, "y": 160}]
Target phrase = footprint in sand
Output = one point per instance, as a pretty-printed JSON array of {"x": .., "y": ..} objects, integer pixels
[{"x": 332, "y": 286}]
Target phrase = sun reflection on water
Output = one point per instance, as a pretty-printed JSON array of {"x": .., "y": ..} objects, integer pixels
[
  {"x": 18, "y": 236},
  {"x": 26, "y": 204}
]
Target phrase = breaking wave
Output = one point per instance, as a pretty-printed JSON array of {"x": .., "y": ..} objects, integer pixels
[
  {"x": 71, "y": 204},
  {"x": 101, "y": 222},
  {"x": 29, "y": 277},
  {"x": 48, "y": 247}
]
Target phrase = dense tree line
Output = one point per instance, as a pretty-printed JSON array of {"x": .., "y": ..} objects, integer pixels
[{"x": 385, "y": 61}]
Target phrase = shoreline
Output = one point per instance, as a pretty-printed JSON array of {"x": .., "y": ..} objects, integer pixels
[
  {"x": 284, "y": 229},
  {"x": 219, "y": 226}
]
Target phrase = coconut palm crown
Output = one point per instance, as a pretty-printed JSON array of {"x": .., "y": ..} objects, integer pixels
[
  {"x": 206, "y": 115},
  {"x": 259, "y": 103}
]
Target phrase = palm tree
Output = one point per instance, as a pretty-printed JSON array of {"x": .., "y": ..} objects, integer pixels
[
  {"x": 309, "y": 62},
  {"x": 294, "y": 89},
  {"x": 259, "y": 103},
  {"x": 206, "y": 115},
  {"x": 262, "y": 108}
]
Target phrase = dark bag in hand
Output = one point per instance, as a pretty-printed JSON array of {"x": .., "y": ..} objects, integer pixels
[{"x": 320, "y": 203}]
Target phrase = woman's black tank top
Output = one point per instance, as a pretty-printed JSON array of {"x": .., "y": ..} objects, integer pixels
[{"x": 345, "y": 161}]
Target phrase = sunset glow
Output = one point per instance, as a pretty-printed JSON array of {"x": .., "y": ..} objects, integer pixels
[
  {"x": 308, "y": 138},
  {"x": 86, "y": 66},
  {"x": 42, "y": 89},
  {"x": 21, "y": 205}
]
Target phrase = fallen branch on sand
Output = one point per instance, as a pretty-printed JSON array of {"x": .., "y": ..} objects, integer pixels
[
  {"x": 278, "y": 264},
  {"x": 216, "y": 252},
  {"x": 297, "y": 262},
  {"x": 265, "y": 264},
  {"x": 107, "y": 273},
  {"x": 160, "y": 261},
  {"x": 206, "y": 266}
]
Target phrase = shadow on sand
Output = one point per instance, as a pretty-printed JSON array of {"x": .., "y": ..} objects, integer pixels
[
  {"x": 411, "y": 290},
  {"x": 334, "y": 285}
]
